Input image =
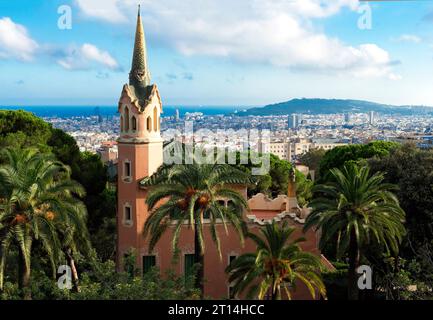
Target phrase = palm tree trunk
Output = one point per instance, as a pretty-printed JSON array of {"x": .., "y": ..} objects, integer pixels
[
  {"x": 71, "y": 263},
  {"x": 24, "y": 277},
  {"x": 354, "y": 258},
  {"x": 198, "y": 260},
  {"x": 2, "y": 267},
  {"x": 274, "y": 295}
]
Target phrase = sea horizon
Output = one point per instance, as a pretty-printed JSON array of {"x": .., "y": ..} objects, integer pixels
[{"x": 111, "y": 110}]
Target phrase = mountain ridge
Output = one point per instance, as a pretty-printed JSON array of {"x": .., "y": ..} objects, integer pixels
[{"x": 330, "y": 106}]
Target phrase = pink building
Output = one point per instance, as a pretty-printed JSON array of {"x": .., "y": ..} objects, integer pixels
[{"x": 140, "y": 149}]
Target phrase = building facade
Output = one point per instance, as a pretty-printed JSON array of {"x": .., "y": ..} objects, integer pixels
[
  {"x": 140, "y": 154},
  {"x": 292, "y": 150}
]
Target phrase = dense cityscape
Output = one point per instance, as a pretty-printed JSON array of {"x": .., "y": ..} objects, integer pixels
[{"x": 98, "y": 134}]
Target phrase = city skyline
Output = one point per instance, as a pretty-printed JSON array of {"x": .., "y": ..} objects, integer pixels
[{"x": 218, "y": 54}]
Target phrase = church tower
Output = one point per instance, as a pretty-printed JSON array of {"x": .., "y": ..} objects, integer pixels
[{"x": 140, "y": 147}]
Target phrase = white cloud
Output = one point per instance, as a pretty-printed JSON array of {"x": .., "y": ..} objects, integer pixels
[
  {"x": 108, "y": 10},
  {"x": 408, "y": 38},
  {"x": 15, "y": 42},
  {"x": 277, "y": 32},
  {"x": 84, "y": 57}
]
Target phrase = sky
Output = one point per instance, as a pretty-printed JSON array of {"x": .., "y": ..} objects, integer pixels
[{"x": 218, "y": 52}]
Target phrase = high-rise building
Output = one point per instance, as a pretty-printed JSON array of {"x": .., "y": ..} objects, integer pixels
[
  {"x": 177, "y": 115},
  {"x": 347, "y": 118},
  {"x": 294, "y": 121},
  {"x": 371, "y": 118}
]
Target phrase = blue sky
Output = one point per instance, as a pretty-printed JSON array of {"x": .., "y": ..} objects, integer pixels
[{"x": 208, "y": 52}]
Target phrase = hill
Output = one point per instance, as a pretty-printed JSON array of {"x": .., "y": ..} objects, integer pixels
[{"x": 328, "y": 106}]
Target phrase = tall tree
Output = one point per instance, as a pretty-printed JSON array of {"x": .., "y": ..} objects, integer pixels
[
  {"x": 339, "y": 156},
  {"x": 276, "y": 266},
  {"x": 37, "y": 197},
  {"x": 193, "y": 193},
  {"x": 356, "y": 209}
]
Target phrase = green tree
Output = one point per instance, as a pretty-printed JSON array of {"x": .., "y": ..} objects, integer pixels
[
  {"x": 411, "y": 169},
  {"x": 276, "y": 266},
  {"x": 23, "y": 129},
  {"x": 193, "y": 193},
  {"x": 339, "y": 156},
  {"x": 356, "y": 209},
  {"x": 312, "y": 159},
  {"x": 274, "y": 182},
  {"x": 36, "y": 197}
]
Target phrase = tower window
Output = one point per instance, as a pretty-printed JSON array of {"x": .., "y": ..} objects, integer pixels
[
  {"x": 134, "y": 123},
  {"x": 148, "y": 263},
  {"x": 128, "y": 215},
  {"x": 149, "y": 124},
  {"x": 127, "y": 171},
  {"x": 126, "y": 119},
  {"x": 121, "y": 123},
  {"x": 155, "y": 119}
]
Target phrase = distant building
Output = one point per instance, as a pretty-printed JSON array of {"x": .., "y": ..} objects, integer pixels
[
  {"x": 108, "y": 151},
  {"x": 371, "y": 118},
  {"x": 292, "y": 150},
  {"x": 294, "y": 121},
  {"x": 347, "y": 118},
  {"x": 177, "y": 116}
]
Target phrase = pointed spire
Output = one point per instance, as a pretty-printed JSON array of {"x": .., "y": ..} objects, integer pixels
[{"x": 139, "y": 76}]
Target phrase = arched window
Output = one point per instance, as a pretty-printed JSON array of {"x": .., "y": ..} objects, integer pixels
[
  {"x": 121, "y": 123},
  {"x": 134, "y": 123},
  {"x": 126, "y": 119},
  {"x": 149, "y": 124},
  {"x": 155, "y": 119}
]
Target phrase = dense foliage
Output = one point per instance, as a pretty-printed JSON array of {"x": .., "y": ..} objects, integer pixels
[
  {"x": 20, "y": 129},
  {"x": 102, "y": 282},
  {"x": 356, "y": 210},
  {"x": 409, "y": 275},
  {"x": 338, "y": 157}
]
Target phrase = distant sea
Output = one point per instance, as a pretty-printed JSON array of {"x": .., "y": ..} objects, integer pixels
[{"x": 85, "y": 111}]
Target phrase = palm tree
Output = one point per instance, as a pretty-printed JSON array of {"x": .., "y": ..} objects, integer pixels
[
  {"x": 277, "y": 265},
  {"x": 192, "y": 193},
  {"x": 356, "y": 209},
  {"x": 37, "y": 199}
]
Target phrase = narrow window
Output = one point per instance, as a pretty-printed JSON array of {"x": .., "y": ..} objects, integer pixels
[
  {"x": 134, "y": 123},
  {"x": 128, "y": 215},
  {"x": 148, "y": 263},
  {"x": 127, "y": 169},
  {"x": 149, "y": 124},
  {"x": 126, "y": 119},
  {"x": 231, "y": 259},
  {"x": 189, "y": 265},
  {"x": 155, "y": 119},
  {"x": 121, "y": 123}
]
